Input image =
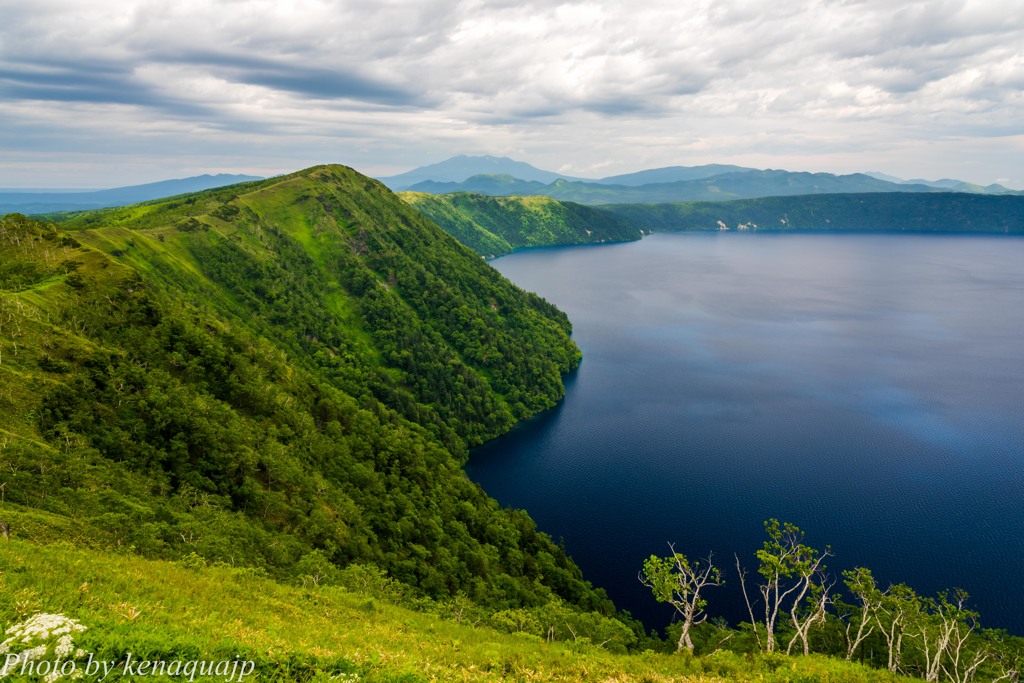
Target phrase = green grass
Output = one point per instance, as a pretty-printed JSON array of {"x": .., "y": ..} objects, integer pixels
[{"x": 166, "y": 610}]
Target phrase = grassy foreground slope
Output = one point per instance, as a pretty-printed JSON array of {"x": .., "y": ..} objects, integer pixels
[
  {"x": 159, "y": 610},
  {"x": 493, "y": 226},
  {"x": 280, "y": 375}
]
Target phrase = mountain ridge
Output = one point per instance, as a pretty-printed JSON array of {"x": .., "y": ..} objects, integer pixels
[{"x": 47, "y": 201}]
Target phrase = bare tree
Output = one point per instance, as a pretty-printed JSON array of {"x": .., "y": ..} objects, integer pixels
[
  {"x": 677, "y": 581},
  {"x": 945, "y": 635},
  {"x": 789, "y": 569},
  {"x": 862, "y": 584},
  {"x": 899, "y": 608},
  {"x": 746, "y": 597},
  {"x": 818, "y": 598}
]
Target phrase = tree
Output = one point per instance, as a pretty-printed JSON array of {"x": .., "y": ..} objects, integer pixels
[
  {"x": 792, "y": 572},
  {"x": 862, "y": 584},
  {"x": 677, "y": 581},
  {"x": 945, "y": 636},
  {"x": 900, "y": 607}
]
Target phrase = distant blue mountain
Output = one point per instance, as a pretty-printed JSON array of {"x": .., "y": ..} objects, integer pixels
[
  {"x": 949, "y": 184},
  {"x": 501, "y": 176},
  {"x": 671, "y": 174},
  {"x": 461, "y": 168},
  {"x": 493, "y": 184},
  {"x": 43, "y": 201}
]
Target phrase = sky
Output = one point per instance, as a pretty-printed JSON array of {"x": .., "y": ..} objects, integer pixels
[{"x": 104, "y": 93}]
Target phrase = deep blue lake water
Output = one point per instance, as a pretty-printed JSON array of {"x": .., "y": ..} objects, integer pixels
[{"x": 868, "y": 388}]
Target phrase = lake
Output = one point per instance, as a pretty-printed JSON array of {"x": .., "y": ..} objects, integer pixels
[{"x": 867, "y": 388}]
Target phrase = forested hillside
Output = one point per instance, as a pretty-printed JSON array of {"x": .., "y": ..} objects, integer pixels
[
  {"x": 493, "y": 226},
  {"x": 285, "y": 375},
  {"x": 886, "y": 211}
]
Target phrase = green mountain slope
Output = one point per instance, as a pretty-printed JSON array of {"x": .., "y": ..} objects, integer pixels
[
  {"x": 276, "y": 375},
  {"x": 888, "y": 211},
  {"x": 493, "y": 226}
]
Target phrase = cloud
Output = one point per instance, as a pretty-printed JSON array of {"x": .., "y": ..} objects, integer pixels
[
  {"x": 394, "y": 83},
  {"x": 97, "y": 83},
  {"x": 306, "y": 80}
]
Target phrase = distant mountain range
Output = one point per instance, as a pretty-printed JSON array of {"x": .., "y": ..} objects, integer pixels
[
  {"x": 504, "y": 177},
  {"x": 748, "y": 184},
  {"x": 713, "y": 182},
  {"x": 949, "y": 184},
  {"x": 49, "y": 201},
  {"x": 671, "y": 174}
]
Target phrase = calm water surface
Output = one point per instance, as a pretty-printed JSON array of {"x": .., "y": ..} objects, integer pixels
[{"x": 867, "y": 388}]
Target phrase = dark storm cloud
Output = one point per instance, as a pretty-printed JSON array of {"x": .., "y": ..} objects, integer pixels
[
  {"x": 307, "y": 80},
  {"x": 53, "y": 81}
]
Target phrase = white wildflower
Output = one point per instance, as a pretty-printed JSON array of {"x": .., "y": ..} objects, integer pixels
[
  {"x": 34, "y": 653},
  {"x": 64, "y": 647},
  {"x": 41, "y": 633}
]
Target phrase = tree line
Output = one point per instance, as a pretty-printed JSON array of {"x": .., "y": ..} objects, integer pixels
[{"x": 794, "y": 605}]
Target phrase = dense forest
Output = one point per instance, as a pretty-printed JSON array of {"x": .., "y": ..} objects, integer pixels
[
  {"x": 493, "y": 226},
  {"x": 887, "y": 211},
  {"x": 284, "y": 374}
]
